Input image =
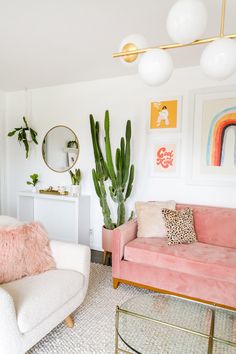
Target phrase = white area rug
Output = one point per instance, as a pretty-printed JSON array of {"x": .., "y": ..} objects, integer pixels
[{"x": 94, "y": 329}]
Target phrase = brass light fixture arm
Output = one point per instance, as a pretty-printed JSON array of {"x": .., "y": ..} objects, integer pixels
[
  {"x": 222, "y": 24},
  {"x": 179, "y": 45}
]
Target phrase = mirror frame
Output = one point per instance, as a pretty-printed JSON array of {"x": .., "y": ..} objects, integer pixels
[{"x": 76, "y": 138}]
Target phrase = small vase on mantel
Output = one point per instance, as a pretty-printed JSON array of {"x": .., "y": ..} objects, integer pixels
[
  {"x": 75, "y": 179},
  {"x": 75, "y": 190},
  {"x": 34, "y": 189}
]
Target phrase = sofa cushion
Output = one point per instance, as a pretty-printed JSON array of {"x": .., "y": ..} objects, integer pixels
[
  {"x": 197, "y": 258},
  {"x": 179, "y": 225},
  {"x": 214, "y": 225},
  {"x": 37, "y": 297},
  {"x": 150, "y": 219}
]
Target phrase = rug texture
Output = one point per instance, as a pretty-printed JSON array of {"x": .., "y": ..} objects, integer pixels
[{"x": 94, "y": 329}]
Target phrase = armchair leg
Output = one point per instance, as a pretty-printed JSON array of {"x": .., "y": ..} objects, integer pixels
[
  {"x": 115, "y": 283},
  {"x": 69, "y": 321}
]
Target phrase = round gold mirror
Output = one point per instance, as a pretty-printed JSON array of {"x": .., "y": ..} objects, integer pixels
[{"x": 60, "y": 148}]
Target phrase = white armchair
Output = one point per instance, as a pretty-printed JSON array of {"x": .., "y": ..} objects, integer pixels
[{"x": 32, "y": 306}]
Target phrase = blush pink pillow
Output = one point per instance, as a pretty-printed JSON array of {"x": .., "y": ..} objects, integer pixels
[{"x": 24, "y": 250}]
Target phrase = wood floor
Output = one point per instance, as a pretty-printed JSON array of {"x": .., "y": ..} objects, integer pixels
[{"x": 97, "y": 257}]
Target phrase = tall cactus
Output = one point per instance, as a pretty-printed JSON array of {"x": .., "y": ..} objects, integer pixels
[
  {"x": 121, "y": 174},
  {"x": 100, "y": 174}
]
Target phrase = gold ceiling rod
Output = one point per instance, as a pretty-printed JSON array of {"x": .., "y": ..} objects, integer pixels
[{"x": 126, "y": 53}]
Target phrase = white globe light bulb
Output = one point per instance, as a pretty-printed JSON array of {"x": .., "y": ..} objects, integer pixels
[
  {"x": 218, "y": 60},
  {"x": 155, "y": 67},
  {"x": 132, "y": 42},
  {"x": 186, "y": 21}
]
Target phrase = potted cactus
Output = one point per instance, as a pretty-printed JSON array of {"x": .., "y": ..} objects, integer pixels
[
  {"x": 116, "y": 177},
  {"x": 75, "y": 180}
]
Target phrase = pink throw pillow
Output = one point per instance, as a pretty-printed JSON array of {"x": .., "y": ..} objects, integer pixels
[{"x": 24, "y": 250}]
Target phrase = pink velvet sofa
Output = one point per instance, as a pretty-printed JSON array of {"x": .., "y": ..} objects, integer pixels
[{"x": 204, "y": 270}]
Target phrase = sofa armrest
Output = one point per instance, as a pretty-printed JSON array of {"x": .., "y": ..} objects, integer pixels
[
  {"x": 10, "y": 337},
  {"x": 71, "y": 256},
  {"x": 122, "y": 235}
]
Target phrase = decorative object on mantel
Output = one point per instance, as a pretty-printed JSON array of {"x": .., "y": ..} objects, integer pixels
[
  {"x": 34, "y": 180},
  {"x": 25, "y": 135},
  {"x": 50, "y": 190},
  {"x": 186, "y": 22},
  {"x": 75, "y": 179},
  {"x": 120, "y": 175}
]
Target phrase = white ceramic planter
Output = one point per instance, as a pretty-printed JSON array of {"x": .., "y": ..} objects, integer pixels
[{"x": 75, "y": 190}]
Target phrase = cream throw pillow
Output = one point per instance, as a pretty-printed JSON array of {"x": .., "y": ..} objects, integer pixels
[{"x": 150, "y": 219}]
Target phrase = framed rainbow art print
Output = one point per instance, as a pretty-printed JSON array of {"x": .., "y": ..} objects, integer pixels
[{"x": 214, "y": 138}]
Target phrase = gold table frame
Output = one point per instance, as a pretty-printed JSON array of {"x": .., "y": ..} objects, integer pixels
[{"x": 211, "y": 337}]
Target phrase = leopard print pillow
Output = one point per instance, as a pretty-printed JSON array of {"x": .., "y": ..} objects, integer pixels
[{"x": 179, "y": 225}]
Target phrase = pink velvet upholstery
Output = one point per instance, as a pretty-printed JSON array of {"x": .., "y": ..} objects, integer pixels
[
  {"x": 195, "y": 258},
  {"x": 205, "y": 270},
  {"x": 214, "y": 225}
]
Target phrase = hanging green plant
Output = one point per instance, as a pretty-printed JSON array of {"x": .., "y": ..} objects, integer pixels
[{"x": 25, "y": 134}]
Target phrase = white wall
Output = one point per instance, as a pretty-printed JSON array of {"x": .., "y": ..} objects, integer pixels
[
  {"x": 126, "y": 98},
  {"x": 2, "y": 151}
]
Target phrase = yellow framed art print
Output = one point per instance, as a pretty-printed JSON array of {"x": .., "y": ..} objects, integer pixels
[{"x": 165, "y": 114}]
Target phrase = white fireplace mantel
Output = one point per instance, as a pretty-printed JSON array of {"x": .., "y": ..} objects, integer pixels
[{"x": 66, "y": 218}]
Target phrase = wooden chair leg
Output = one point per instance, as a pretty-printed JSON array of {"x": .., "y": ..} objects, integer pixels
[
  {"x": 115, "y": 283},
  {"x": 69, "y": 321}
]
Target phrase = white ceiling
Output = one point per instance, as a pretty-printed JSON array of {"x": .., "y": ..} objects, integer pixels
[{"x": 51, "y": 42}]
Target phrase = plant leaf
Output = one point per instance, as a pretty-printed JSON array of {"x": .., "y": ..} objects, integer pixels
[
  {"x": 25, "y": 121},
  {"x": 33, "y": 135},
  {"x": 12, "y": 133}
]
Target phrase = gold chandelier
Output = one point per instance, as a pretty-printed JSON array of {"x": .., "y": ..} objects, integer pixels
[{"x": 221, "y": 51}]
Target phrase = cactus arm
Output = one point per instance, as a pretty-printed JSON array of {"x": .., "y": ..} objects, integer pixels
[
  {"x": 130, "y": 183},
  {"x": 127, "y": 152},
  {"x": 94, "y": 137},
  {"x": 100, "y": 154},
  {"x": 113, "y": 194},
  {"x": 122, "y": 156},
  {"x": 110, "y": 165},
  {"x": 120, "y": 208},
  {"x": 96, "y": 184},
  {"x": 119, "y": 167},
  {"x": 105, "y": 208}
]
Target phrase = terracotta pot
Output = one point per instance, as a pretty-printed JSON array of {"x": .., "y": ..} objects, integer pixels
[{"x": 107, "y": 239}]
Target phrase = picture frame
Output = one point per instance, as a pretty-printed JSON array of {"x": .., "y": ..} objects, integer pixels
[
  {"x": 214, "y": 136},
  {"x": 165, "y": 114},
  {"x": 165, "y": 158}
]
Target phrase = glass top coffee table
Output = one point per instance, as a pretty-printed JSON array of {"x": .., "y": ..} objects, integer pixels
[{"x": 165, "y": 324}]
